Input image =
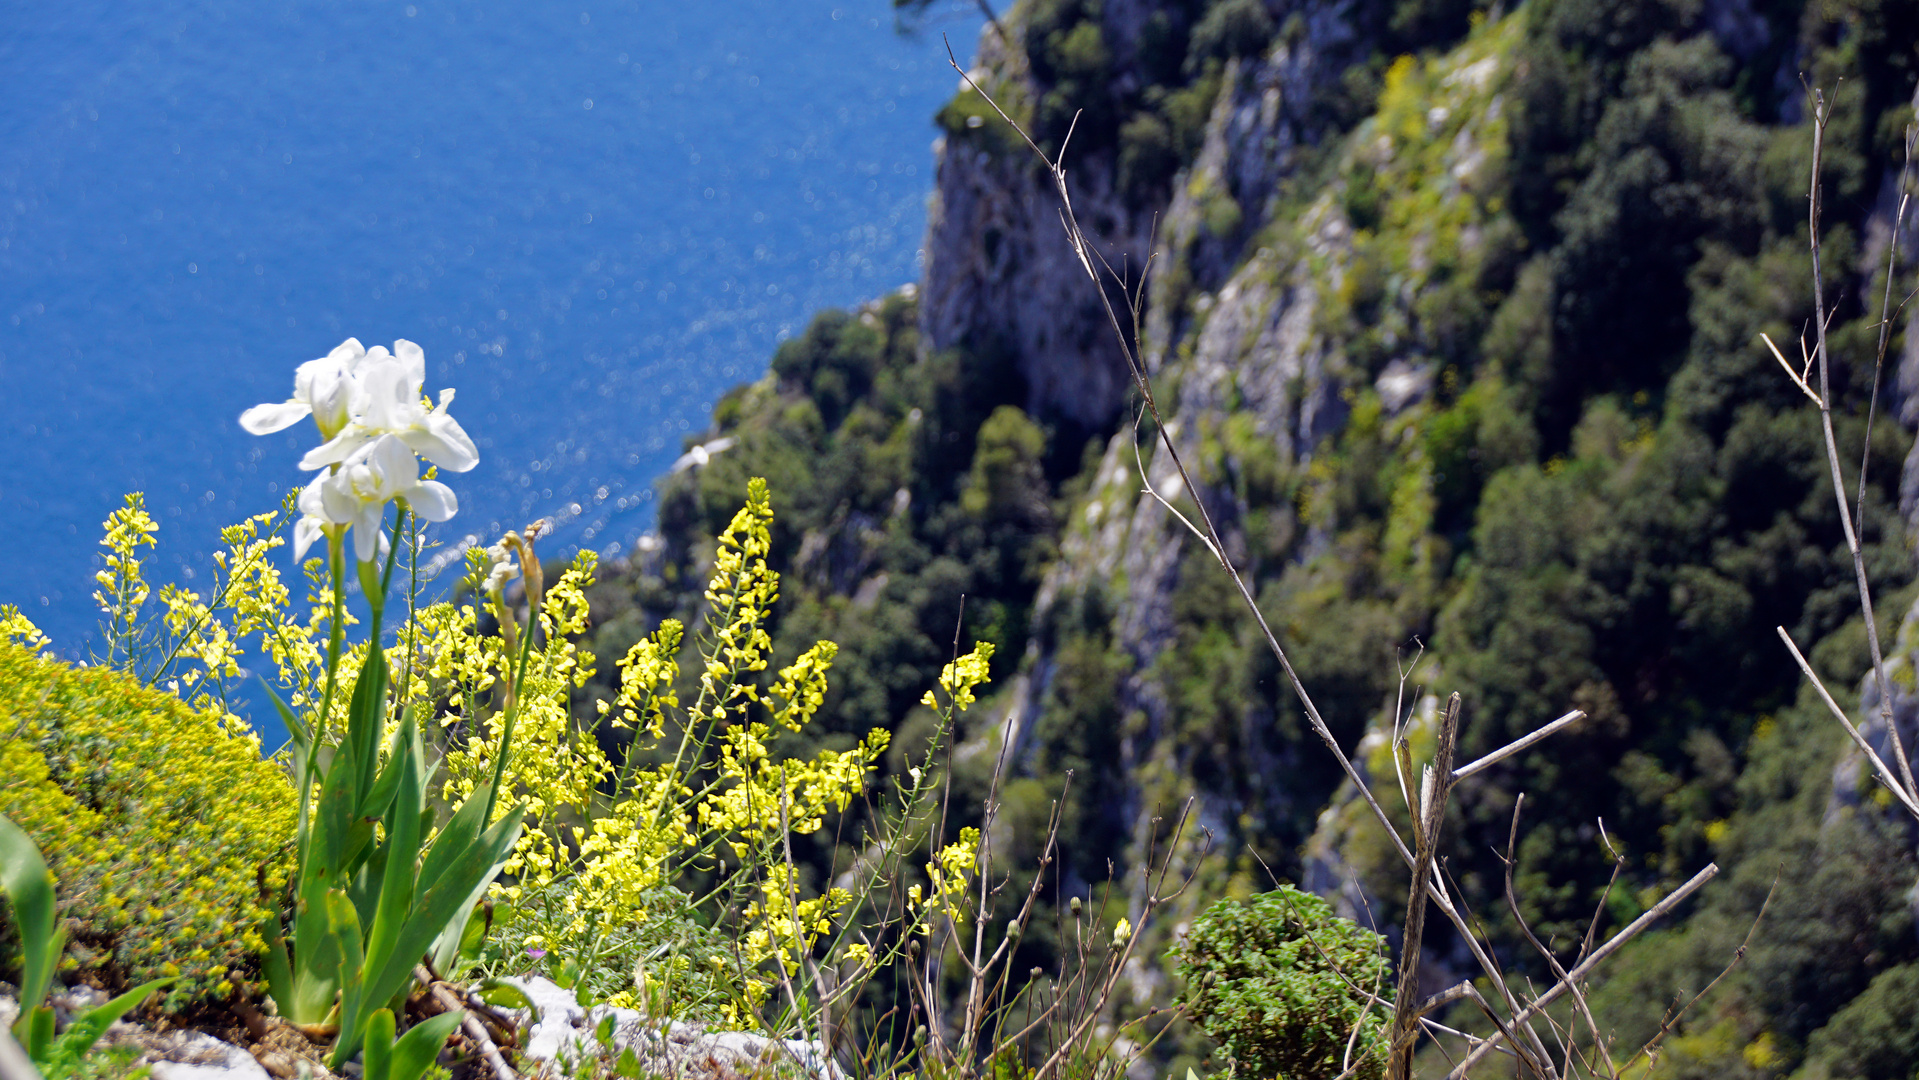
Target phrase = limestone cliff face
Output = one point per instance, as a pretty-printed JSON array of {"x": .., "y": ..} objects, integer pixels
[{"x": 999, "y": 272}]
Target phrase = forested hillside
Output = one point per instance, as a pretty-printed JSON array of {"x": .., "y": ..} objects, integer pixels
[{"x": 1454, "y": 308}]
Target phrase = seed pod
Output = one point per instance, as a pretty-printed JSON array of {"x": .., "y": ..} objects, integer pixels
[{"x": 1075, "y": 906}]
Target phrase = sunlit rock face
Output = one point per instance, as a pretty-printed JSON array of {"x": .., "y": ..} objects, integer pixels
[{"x": 999, "y": 273}]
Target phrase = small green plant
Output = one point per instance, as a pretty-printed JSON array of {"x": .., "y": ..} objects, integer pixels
[
  {"x": 29, "y": 887},
  {"x": 1286, "y": 987},
  {"x": 408, "y": 1056}
]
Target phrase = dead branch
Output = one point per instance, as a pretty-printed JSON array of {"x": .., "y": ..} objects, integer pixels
[
  {"x": 1519, "y": 744},
  {"x": 1879, "y": 766},
  {"x": 1435, "y": 788},
  {"x": 1821, "y": 114},
  {"x": 470, "y": 1025},
  {"x": 1552, "y": 961}
]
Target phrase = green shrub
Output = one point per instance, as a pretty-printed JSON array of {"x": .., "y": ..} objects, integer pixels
[
  {"x": 1873, "y": 1037},
  {"x": 161, "y": 825},
  {"x": 1258, "y": 980}
]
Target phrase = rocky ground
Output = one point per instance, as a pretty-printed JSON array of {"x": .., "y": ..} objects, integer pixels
[{"x": 557, "y": 1037}]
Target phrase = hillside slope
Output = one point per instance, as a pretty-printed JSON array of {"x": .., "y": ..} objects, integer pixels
[{"x": 1456, "y": 312}]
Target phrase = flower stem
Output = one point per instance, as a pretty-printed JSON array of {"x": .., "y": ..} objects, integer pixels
[
  {"x": 336, "y": 635},
  {"x": 512, "y": 709}
]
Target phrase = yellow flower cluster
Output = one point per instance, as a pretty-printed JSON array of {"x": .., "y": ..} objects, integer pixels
[
  {"x": 161, "y": 824},
  {"x": 767, "y": 798},
  {"x": 960, "y": 677},
  {"x": 249, "y": 600},
  {"x": 602, "y": 840},
  {"x": 947, "y": 875},
  {"x": 17, "y": 628},
  {"x": 646, "y": 681},
  {"x": 555, "y": 766},
  {"x": 739, "y": 596},
  {"x": 123, "y": 589},
  {"x": 784, "y": 928}
]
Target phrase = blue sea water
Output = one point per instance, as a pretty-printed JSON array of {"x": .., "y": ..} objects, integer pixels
[{"x": 594, "y": 217}]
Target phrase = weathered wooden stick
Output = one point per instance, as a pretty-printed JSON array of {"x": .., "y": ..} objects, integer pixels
[{"x": 1437, "y": 785}]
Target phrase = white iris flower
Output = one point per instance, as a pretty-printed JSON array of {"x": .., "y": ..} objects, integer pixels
[
  {"x": 387, "y": 390},
  {"x": 356, "y": 495},
  {"x": 322, "y": 389},
  {"x": 367, "y": 405}
]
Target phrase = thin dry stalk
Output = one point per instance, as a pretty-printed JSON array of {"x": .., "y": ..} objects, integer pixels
[
  {"x": 1519, "y": 744},
  {"x": 1821, "y": 114},
  {"x": 1093, "y": 1007},
  {"x": 1552, "y": 961},
  {"x": 1672, "y": 1016}
]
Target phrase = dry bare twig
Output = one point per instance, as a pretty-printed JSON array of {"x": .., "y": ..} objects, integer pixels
[{"x": 1902, "y": 783}]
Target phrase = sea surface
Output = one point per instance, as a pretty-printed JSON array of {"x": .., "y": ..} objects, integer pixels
[{"x": 594, "y": 217}]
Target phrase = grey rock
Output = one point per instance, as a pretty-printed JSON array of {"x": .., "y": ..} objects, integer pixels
[
  {"x": 194, "y": 1055},
  {"x": 560, "y": 1029},
  {"x": 558, "y": 1021},
  {"x": 1402, "y": 385}
]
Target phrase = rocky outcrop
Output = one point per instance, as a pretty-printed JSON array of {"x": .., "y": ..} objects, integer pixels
[
  {"x": 1003, "y": 273},
  {"x": 1227, "y": 332},
  {"x": 560, "y": 1030},
  {"x": 1000, "y": 271}
]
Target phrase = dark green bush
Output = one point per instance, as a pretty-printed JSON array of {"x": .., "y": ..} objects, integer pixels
[
  {"x": 1272, "y": 980},
  {"x": 1873, "y": 1038}
]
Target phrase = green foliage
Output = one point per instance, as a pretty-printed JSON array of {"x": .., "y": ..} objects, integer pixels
[
  {"x": 1008, "y": 481},
  {"x": 1873, "y": 1037},
  {"x": 1070, "y": 59},
  {"x": 1229, "y": 29},
  {"x": 1424, "y": 181},
  {"x": 968, "y": 117},
  {"x": 1273, "y": 980},
  {"x": 162, "y": 823},
  {"x": 104, "y": 1063},
  {"x": 408, "y": 1056}
]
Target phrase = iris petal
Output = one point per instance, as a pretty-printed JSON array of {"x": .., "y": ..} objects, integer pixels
[
  {"x": 414, "y": 359},
  {"x": 366, "y": 530},
  {"x": 433, "y": 500},
  {"x": 305, "y": 532},
  {"x": 442, "y": 441},
  {"x": 267, "y": 419},
  {"x": 337, "y": 449}
]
